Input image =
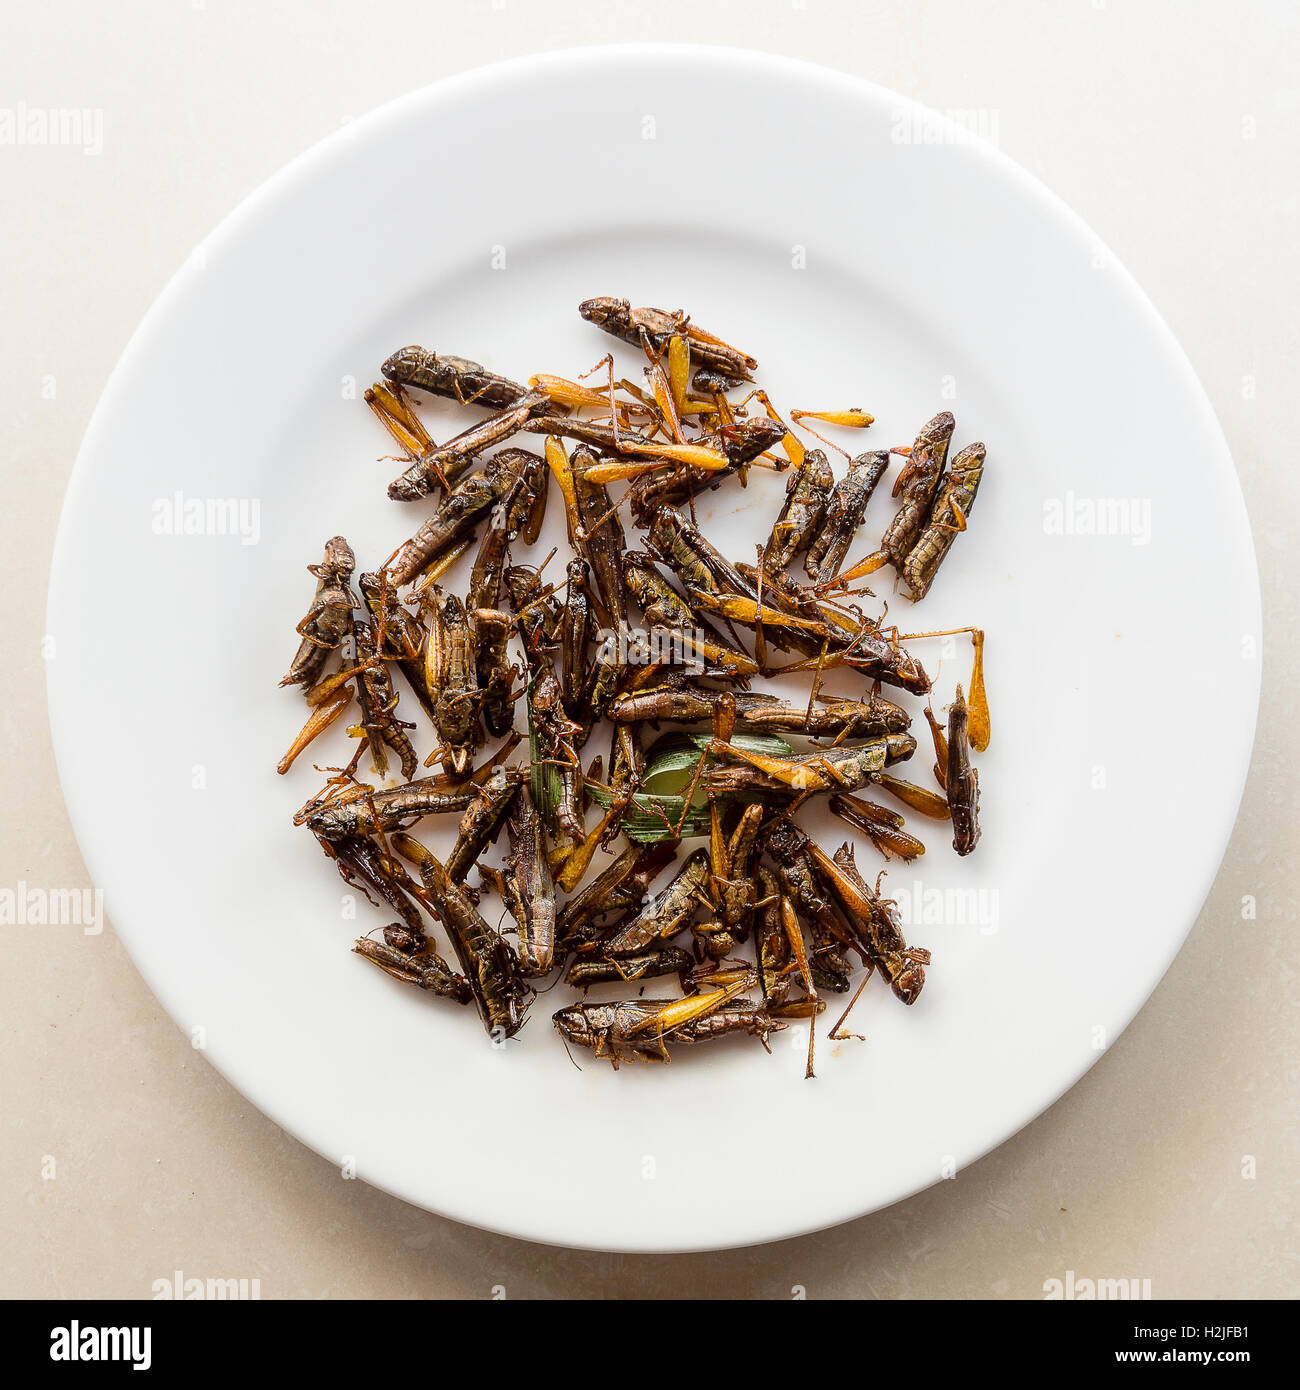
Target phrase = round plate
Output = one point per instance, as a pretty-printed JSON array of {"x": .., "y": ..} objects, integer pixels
[{"x": 869, "y": 255}]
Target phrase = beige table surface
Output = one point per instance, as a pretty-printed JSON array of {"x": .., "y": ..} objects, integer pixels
[{"x": 1171, "y": 128}]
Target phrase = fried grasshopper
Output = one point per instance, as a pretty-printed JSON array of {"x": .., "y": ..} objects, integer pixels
[
  {"x": 598, "y": 970},
  {"x": 620, "y": 887},
  {"x": 493, "y": 669},
  {"x": 456, "y": 378},
  {"x": 404, "y": 636},
  {"x": 423, "y": 967},
  {"x": 916, "y": 485},
  {"x": 962, "y": 782},
  {"x": 796, "y": 528},
  {"x": 378, "y": 700},
  {"x": 844, "y": 512},
  {"x": 361, "y": 862},
  {"x": 677, "y": 629},
  {"x": 529, "y": 889},
  {"x": 483, "y": 819},
  {"x": 882, "y": 826},
  {"x": 652, "y": 329},
  {"x": 557, "y": 771},
  {"x": 701, "y": 567},
  {"x": 792, "y": 853},
  {"x": 575, "y": 637},
  {"x": 461, "y": 511},
  {"x": 599, "y": 539},
  {"x": 329, "y": 619},
  {"x": 367, "y": 812},
  {"x": 875, "y": 922},
  {"x": 839, "y": 767},
  {"x": 667, "y": 914},
  {"x": 686, "y": 701},
  {"x": 641, "y": 1029},
  {"x": 451, "y": 672},
  {"x": 488, "y": 962},
  {"x": 951, "y": 507},
  {"x": 537, "y": 612},
  {"x": 731, "y": 882}
]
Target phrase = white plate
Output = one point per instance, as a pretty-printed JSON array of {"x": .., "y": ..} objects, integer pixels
[{"x": 866, "y": 258}]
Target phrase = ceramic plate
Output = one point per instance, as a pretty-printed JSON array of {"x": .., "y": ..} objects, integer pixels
[{"x": 1109, "y": 560}]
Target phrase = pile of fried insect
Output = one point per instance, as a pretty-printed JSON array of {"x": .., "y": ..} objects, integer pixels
[{"x": 757, "y": 924}]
